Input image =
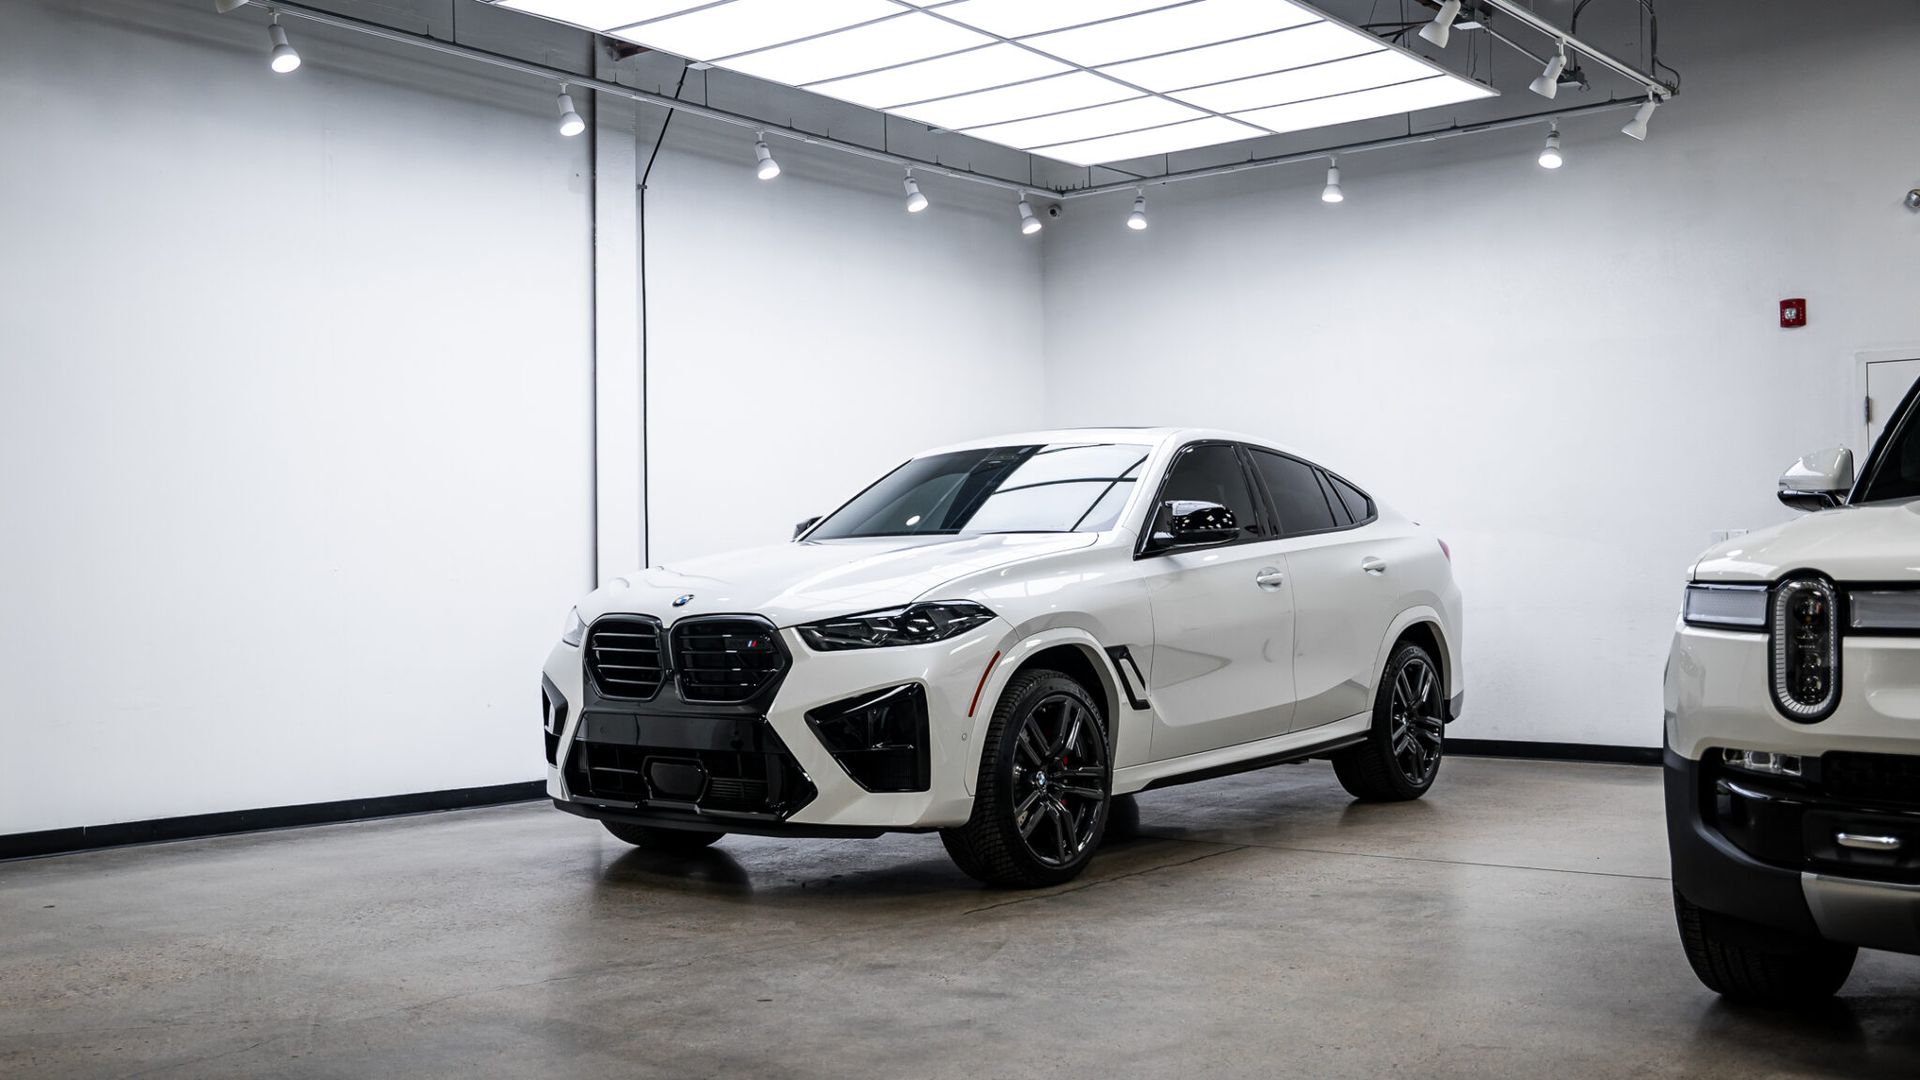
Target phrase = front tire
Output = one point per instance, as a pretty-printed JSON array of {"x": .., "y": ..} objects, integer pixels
[
  {"x": 657, "y": 839},
  {"x": 1046, "y": 778},
  {"x": 1401, "y": 754},
  {"x": 1758, "y": 965}
]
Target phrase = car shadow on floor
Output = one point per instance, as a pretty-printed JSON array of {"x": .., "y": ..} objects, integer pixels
[{"x": 1855, "y": 1036}]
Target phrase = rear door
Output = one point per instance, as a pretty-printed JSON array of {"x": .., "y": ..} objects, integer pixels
[
  {"x": 1222, "y": 671},
  {"x": 1339, "y": 560}
]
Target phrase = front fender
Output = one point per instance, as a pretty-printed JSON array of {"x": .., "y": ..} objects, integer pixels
[{"x": 1130, "y": 727}]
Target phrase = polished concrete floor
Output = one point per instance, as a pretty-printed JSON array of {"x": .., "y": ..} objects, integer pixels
[{"x": 1516, "y": 923}]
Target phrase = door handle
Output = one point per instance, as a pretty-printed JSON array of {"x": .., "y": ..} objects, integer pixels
[
  {"x": 1373, "y": 565},
  {"x": 1867, "y": 843},
  {"x": 1269, "y": 578}
]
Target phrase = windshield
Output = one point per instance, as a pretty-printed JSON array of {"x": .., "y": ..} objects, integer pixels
[
  {"x": 1895, "y": 472},
  {"x": 1064, "y": 487}
]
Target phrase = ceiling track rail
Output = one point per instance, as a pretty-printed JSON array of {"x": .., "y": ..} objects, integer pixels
[
  {"x": 616, "y": 90},
  {"x": 560, "y": 76}
]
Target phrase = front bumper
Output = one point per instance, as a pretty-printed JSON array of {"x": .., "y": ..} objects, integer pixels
[
  {"x": 1766, "y": 849},
  {"x": 806, "y": 791}
]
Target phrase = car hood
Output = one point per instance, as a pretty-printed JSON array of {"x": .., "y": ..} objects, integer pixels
[
  {"x": 1880, "y": 542},
  {"x": 796, "y": 583}
]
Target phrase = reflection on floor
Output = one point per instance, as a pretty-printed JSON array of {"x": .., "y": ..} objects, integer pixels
[{"x": 1516, "y": 923}]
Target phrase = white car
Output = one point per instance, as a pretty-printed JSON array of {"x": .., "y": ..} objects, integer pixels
[
  {"x": 996, "y": 638},
  {"x": 1793, "y": 733}
]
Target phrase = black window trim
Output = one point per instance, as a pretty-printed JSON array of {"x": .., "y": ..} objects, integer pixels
[
  {"x": 1326, "y": 491},
  {"x": 1269, "y": 523}
]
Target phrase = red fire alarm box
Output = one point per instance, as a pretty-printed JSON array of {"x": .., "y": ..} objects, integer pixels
[{"x": 1793, "y": 312}]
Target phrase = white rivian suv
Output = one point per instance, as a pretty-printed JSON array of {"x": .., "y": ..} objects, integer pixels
[
  {"x": 1793, "y": 733},
  {"x": 995, "y": 639}
]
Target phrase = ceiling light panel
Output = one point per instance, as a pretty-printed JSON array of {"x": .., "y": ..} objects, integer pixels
[
  {"x": 1018, "y": 18},
  {"x": 1298, "y": 46},
  {"x": 729, "y": 29},
  {"x": 602, "y": 14},
  {"x": 1074, "y": 90},
  {"x": 1183, "y": 26},
  {"x": 878, "y": 45},
  {"x": 1165, "y": 140},
  {"x": 942, "y": 77},
  {"x": 1319, "y": 80},
  {"x": 1425, "y": 93},
  {"x": 1083, "y": 124}
]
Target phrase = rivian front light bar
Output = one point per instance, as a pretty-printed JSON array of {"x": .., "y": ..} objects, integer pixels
[
  {"x": 1731, "y": 607},
  {"x": 916, "y": 624},
  {"x": 1884, "y": 609},
  {"x": 1806, "y": 649}
]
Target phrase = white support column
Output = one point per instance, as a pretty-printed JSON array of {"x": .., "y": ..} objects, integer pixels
[{"x": 619, "y": 366}]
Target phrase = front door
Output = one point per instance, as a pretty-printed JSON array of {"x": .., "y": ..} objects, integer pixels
[{"x": 1222, "y": 668}]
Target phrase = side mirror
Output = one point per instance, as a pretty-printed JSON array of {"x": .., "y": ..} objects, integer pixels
[
  {"x": 805, "y": 525},
  {"x": 1192, "y": 523},
  {"x": 1819, "y": 481}
]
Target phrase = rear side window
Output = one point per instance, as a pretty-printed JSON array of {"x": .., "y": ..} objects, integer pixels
[
  {"x": 1297, "y": 494},
  {"x": 1211, "y": 472},
  {"x": 1358, "y": 505}
]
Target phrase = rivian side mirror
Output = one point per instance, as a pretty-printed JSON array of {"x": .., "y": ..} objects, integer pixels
[
  {"x": 1819, "y": 481},
  {"x": 1192, "y": 523},
  {"x": 805, "y": 525}
]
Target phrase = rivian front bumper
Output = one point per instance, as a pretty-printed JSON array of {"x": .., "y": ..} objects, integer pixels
[
  {"x": 1807, "y": 826},
  {"x": 841, "y": 743}
]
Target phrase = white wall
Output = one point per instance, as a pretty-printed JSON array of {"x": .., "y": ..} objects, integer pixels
[
  {"x": 806, "y": 334},
  {"x": 294, "y": 401},
  {"x": 1575, "y": 375}
]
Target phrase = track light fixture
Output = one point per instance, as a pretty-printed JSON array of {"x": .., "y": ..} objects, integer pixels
[
  {"x": 1637, "y": 127},
  {"x": 1550, "y": 154},
  {"x": 570, "y": 122},
  {"x": 1548, "y": 83},
  {"x": 766, "y": 168},
  {"x": 1138, "y": 219},
  {"x": 283, "y": 59},
  {"x": 1028, "y": 223},
  {"x": 916, "y": 202},
  {"x": 1441, "y": 28},
  {"x": 1332, "y": 193}
]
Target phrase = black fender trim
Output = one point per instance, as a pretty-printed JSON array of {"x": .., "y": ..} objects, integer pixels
[{"x": 1121, "y": 657}]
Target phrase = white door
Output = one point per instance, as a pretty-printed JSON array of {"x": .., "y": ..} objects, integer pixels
[
  {"x": 1222, "y": 671},
  {"x": 1887, "y": 385},
  {"x": 1345, "y": 591}
]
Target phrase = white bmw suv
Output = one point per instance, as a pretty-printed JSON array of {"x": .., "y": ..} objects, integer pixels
[
  {"x": 995, "y": 639},
  {"x": 1793, "y": 733}
]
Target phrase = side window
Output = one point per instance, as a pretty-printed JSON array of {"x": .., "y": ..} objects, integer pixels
[
  {"x": 1212, "y": 473},
  {"x": 1296, "y": 492},
  {"x": 1357, "y": 502},
  {"x": 1341, "y": 516}
]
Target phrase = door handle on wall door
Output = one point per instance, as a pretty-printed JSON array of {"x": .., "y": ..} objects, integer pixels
[
  {"x": 1269, "y": 578},
  {"x": 1373, "y": 565}
]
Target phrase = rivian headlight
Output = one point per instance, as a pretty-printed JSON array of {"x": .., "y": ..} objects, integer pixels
[
  {"x": 916, "y": 624},
  {"x": 1884, "y": 610},
  {"x": 1730, "y": 607},
  {"x": 1806, "y": 649},
  {"x": 576, "y": 631}
]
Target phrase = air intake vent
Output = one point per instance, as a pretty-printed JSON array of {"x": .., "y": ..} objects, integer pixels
[
  {"x": 727, "y": 659},
  {"x": 624, "y": 657}
]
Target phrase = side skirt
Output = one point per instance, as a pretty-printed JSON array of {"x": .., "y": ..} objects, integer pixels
[{"x": 1211, "y": 764}]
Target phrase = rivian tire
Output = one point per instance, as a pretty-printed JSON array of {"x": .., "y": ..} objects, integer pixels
[
  {"x": 1401, "y": 754},
  {"x": 1045, "y": 785},
  {"x": 657, "y": 839},
  {"x": 1759, "y": 965}
]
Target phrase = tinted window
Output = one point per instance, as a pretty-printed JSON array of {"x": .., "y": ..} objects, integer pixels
[
  {"x": 1340, "y": 515},
  {"x": 1357, "y": 502},
  {"x": 1296, "y": 493},
  {"x": 1063, "y": 488},
  {"x": 1896, "y": 475},
  {"x": 1212, "y": 473}
]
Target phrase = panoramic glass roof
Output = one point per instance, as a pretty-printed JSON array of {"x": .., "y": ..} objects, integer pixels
[{"x": 1082, "y": 81}]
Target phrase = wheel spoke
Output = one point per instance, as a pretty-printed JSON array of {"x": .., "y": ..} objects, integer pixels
[
  {"x": 1029, "y": 745},
  {"x": 1072, "y": 735},
  {"x": 1402, "y": 690},
  {"x": 1086, "y": 793},
  {"x": 1026, "y": 804},
  {"x": 1063, "y": 828},
  {"x": 1426, "y": 683},
  {"x": 1032, "y": 822}
]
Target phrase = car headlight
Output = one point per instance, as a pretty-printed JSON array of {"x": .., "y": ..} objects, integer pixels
[
  {"x": 916, "y": 624},
  {"x": 1729, "y": 607},
  {"x": 576, "y": 631},
  {"x": 1806, "y": 649}
]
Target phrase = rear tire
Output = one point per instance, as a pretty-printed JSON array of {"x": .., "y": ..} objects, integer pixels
[
  {"x": 657, "y": 839},
  {"x": 1401, "y": 754},
  {"x": 1046, "y": 777},
  {"x": 1759, "y": 965}
]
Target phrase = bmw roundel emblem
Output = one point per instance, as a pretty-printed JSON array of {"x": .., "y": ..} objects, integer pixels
[{"x": 683, "y": 601}]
